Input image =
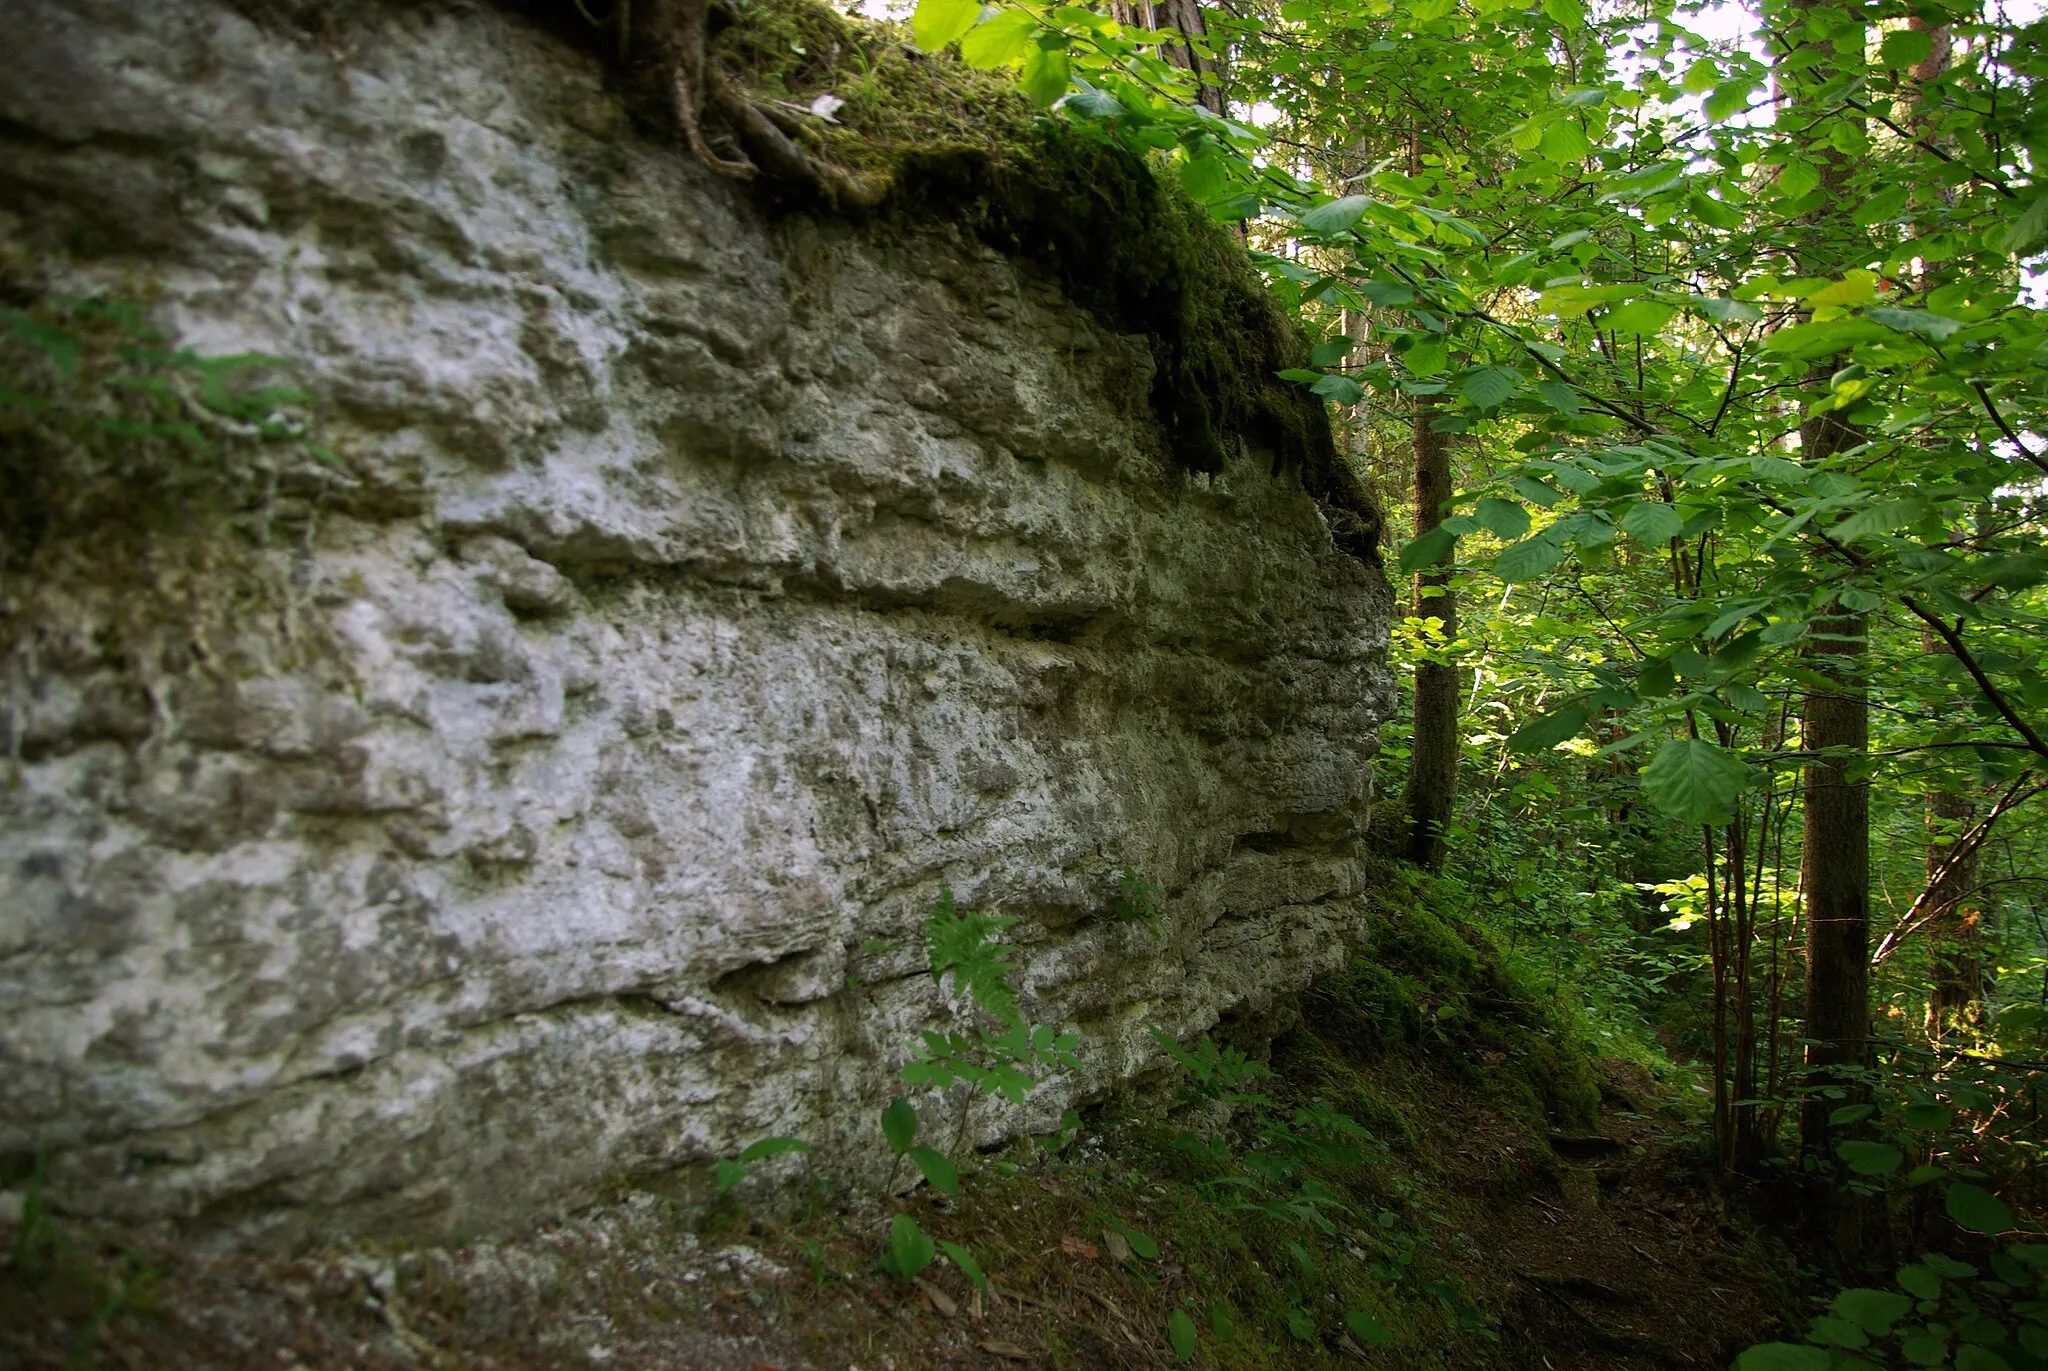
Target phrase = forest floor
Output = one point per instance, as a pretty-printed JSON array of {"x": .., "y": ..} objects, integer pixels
[{"x": 1481, "y": 1224}]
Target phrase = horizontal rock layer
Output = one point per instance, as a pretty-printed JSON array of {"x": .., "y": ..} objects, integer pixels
[{"x": 722, "y": 586}]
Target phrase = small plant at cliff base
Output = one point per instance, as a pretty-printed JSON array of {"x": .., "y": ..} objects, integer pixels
[
  {"x": 1137, "y": 901},
  {"x": 964, "y": 944},
  {"x": 730, "y": 1173}
]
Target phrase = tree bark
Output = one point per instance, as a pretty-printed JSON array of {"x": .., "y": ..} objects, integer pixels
[
  {"x": 1183, "y": 17},
  {"x": 1955, "y": 948},
  {"x": 1432, "y": 792}
]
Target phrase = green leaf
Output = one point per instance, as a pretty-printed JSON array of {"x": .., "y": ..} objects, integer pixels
[
  {"x": 1723, "y": 310},
  {"x": 1431, "y": 548},
  {"x": 1656, "y": 678},
  {"x": 1367, "y": 1329},
  {"x": 936, "y": 1168},
  {"x": 1873, "y": 1311},
  {"x": 910, "y": 1251},
  {"x": 1973, "y": 1358},
  {"x": 1850, "y": 1113},
  {"x": 1652, "y": 522},
  {"x": 728, "y": 1174},
  {"x": 1782, "y": 1356},
  {"x": 1834, "y": 1332},
  {"x": 1426, "y": 359},
  {"x": 1906, "y": 48},
  {"x": 1000, "y": 41},
  {"x": 1565, "y": 141},
  {"x": 1930, "y": 1118},
  {"x": 899, "y": 1126},
  {"x": 1870, "y": 1158},
  {"x": 1046, "y": 74},
  {"x": 1570, "y": 14},
  {"x": 1884, "y": 205},
  {"x": 1828, "y": 336},
  {"x": 1559, "y": 397},
  {"x": 1729, "y": 99},
  {"x": 1142, "y": 1245},
  {"x": 1977, "y": 1210},
  {"x": 964, "y": 1260},
  {"x": 936, "y": 23},
  {"x": 1925, "y": 1349},
  {"x": 1092, "y": 104},
  {"x": 1714, "y": 213},
  {"x": 1335, "y": 216},
  {"x": 1645, "y": 317},
  {"x": 1798, "y": 178},
  {"x": 1489, "y": 386},
  {"x": 1932, "y": 327},
  {"x": 1886, "y": 516},
  {"x": 1920, "y": 1282},
  {"x": 1342, "y": 389},
  {"x": 773, "y": 1147},
  {"x": 1547, "y": 732},
  {"x": 1694, "y": 780},
  {"x": 1180, "y": 1334},
  {"x": 1332, "y": 351},
  {"x": 1502, "y": 518},
  {"x": 1528, "y": 559},
  {"x": 1390, "y": 294},
  {"x": 1536, "y": 492},
  {"x": 2031, "y": 224}
]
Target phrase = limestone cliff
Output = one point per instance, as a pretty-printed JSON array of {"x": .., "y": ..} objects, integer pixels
[{"x": 713, "y": 585}]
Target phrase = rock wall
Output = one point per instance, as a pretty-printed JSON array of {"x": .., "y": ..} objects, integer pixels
[{"x": 725, "y": 584}]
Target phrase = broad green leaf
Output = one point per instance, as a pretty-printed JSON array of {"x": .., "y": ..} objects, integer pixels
[
  {"x": 1873, "y": 1311},
  {"x": 1640, "y": 316},
  {"x": 1931, "y": 1118},
  {"x": 1489, "y": 386},
  {"x": 1367, "y": 1329},
  {"x": 1921, "y": 1282},
  {"x": 1046, "y": 74},
  {"x": 1528, "y": 559},
  {"x": 1341, "y": 389},
  {"x": 1906, "y": 48},
  {"x": 899, "y": 1126},
  {"x": 1652, "y": 521},
  {"x": 1799, "y": 178},
  {"x": 1855, "y": 288},
  {"x": 939, "y": 1171},
  {"x": 1143, "y": 1246},
  {"x": 1502, "y": 518},
  {"x": 1092, "y": 104},
  {"x": 1714, "y": 213},
  {"x": 1694, "y": 780},
  {"x": 1870, "y": 1158},
  {"x": 2031, "y": 224},
  {"x": 1535, "y": 491},
  {"x": 1917, "y": 321},
  {"x": 1550, "y": 730},
  {"x": 1656, "y": 678},
  {"x": 1180, "y": 1334},
  {"x": 1569, "y": 13},
  {"x": 773, "y": 1147},
  {"x": 964, "y": 1260},
  {"x": 1726, "y": 311},
  {"x": 910, "y": 1251},
  {"x": 1971, "y": 1357},
  {"x": 1925, "y": 1349},
  {"x": 1728, "y": 100},
  {"x": 1836, "y": 1332},
  {"x": 1336, "y": 216},
  {"x": 1832, "y": 335},
  {"x": 1559, "y": 397},
  {"x": 1431, "y": 548},
  {"x": 1702, "y": 76},
  {"x": 1389, "y": 293},
  {"x": 1565, "y": 141},
  {"x": 1977, "y": 1210},
  {"x": 1782, "y": 1356},
  {"x": 1886, "y": 516},
  {"x": 728, "y": 1174},
  {"x": 1882, "y": 206},
  {"x": 1426, "y": 359},
  {"x": 936, "y": 23},
  {"x": 999, "y": 41},
  {"x": 1331, "y": 352},
  {"x": 1850, "y": 1113}
]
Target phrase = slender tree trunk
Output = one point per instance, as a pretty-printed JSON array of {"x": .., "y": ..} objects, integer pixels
[
  {"x": 1955, "y": 950},
  {"x": 1835, "y": 867},
  {"x": 1433, "y": 758}
]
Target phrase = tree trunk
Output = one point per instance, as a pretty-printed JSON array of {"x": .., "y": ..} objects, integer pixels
[
  {"x": 1955, "y": 950},
  {"x": 1433, "y": 757},
  {"x": 1183, "y": 17}
]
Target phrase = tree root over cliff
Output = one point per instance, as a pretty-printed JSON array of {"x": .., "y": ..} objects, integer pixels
[{"x": 678, "y": 36}]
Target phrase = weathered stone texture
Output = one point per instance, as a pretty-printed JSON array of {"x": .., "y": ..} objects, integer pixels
[{"x": 744, "y": 581}]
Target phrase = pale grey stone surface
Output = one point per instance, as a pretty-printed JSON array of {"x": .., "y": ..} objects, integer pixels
[{"x": 739, "y": 583}]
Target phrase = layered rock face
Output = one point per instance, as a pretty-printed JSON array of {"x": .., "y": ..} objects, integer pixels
[{"x": 725, "y": 584}]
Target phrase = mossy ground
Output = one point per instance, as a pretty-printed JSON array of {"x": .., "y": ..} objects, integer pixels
[{"x": 1456, "y": 1225}]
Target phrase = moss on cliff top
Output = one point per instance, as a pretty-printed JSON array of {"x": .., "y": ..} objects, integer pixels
[{"x": 941, "y": 143}]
